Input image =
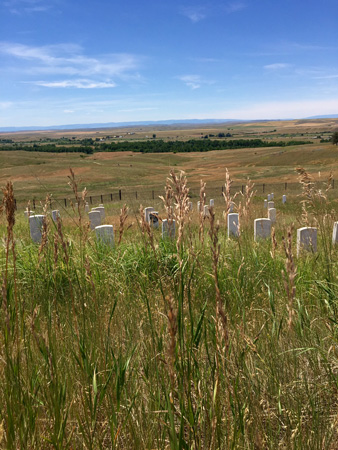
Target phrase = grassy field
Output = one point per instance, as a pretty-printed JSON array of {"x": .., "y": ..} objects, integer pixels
[
  {"x": 35, "y": 174},
  {"x": 201, "y": 342}
]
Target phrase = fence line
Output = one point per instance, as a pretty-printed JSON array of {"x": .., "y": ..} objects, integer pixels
[{"x": 153, "y": 194}]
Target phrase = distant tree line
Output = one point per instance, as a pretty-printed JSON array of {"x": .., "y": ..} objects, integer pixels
[
  {"x": 154, "y": 146},
  {"x": 48, "y": 148},
  {"x": 193, "y": 145}
]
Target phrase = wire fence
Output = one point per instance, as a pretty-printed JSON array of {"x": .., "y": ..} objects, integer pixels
[{"x": 134, "y": 197}]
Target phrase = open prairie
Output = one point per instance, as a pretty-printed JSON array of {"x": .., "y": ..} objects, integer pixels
[{"x": 35, "y": 174}]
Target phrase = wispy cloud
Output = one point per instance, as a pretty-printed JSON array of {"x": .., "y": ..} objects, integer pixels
[
  {"x": 78, "y": 84},
  {"x": 192, "y": 81},
  {"x": 277, "y": 66},
  {"x": 326, "y": 77},
  {"x": 195, "y": 14},
  {"x": 21, "y": 7},
  {"x": 236, "y": 6},
  {"x": 5, "y": 105},
  {"x": 136, "y": 109},
  {"x": 70, "y": 60},
  {"x": 206, "y": 60}
]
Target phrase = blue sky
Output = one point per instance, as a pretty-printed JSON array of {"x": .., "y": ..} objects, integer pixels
[{"x": 81, "y": 61}]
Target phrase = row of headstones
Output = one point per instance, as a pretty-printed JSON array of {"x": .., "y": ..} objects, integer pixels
[
  {"x": 96, "y": 215},
  {"x": 306, "y": 236}
]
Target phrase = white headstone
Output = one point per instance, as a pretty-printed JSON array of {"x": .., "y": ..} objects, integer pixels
[
  {"x": 272, "y": 195},
  {"x": 265, "y": 203},
  {"x": 233, "y": 224},
  {"x": 86, "y": 207},
  {"x": 153, "y": 219},
  {"x": 335, "y": 233},
  {"x": 284, "y": 198},
  {"x": 105, "y": 234},
  {"x": 272, "y": 214},
  {"x": 198, "y": 206},
  {"x": 271, "y": 204},
  {"x": 35, "y": 225},
  {"x": 147, "y": 211},
  {"x": 101, "y": 205},
  {"x": 190, "y": 206},
  {"x": 94, "y": 219},
  {"x": 101, "y": 211},
  {"x": 55, "y": 214},
  {"x": 76, "y": 205},
  {"x": 269, "y": 197},
  {"x": 168, "y": 229},
  {"x": 212, "y": 202},
  {"x": 262, "y": 228},
  {"x": 306, "y": 239},
  {"x": 206, "y": 211}
]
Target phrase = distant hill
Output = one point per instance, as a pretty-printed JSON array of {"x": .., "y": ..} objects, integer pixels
[
  {"x": 168, "y": 122},
  {"x": 118, "y": 124},
  {"x": 329, "y": 116}
]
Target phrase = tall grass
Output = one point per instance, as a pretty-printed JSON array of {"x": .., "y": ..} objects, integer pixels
[{"x": 193, "y": 343}]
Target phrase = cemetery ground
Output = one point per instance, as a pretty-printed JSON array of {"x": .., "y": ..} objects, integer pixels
[
  {"x": 189, "y": 343},
  {"x": 196, "y": 342}
]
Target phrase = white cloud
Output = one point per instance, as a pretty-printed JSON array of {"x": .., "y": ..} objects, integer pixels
[
  {"x": 5, "y": 105},
  {"x": 20, "y": 7},
  {"x": 277, "y": 66},
  {"x": 136, "y": 109},
  {"x": 78, "y": 84},
  {"x": 192, "y": 81},
  {"x": 195, "y": 14},
  {"x": 206, "y": 60},
  {"x": 326, "y": 77},
  {"x": 70, "y": 60},
  {"x": 233, "y": 7}
]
